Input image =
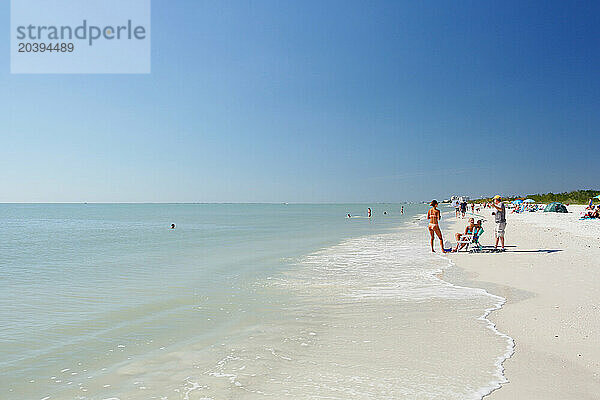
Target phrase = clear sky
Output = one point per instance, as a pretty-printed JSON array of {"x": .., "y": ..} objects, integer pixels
[{"x": 318, "y": 101}]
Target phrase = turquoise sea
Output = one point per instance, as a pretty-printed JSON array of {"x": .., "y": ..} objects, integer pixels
[{"x": 104, "y": 301}]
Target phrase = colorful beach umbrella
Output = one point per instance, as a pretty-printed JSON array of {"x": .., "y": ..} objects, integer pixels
[
  {"x": 517, "y": 201},
  {"x": 597, "y": 197},
  {"x": 528, "y": 201}
]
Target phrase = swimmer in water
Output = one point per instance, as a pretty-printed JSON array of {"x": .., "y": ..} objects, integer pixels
[
  {"x": 402, "y": 210},
  {"x": 172, "y": 226},
  {"x": 349, "y": 216},
  {"x": 369, "y": 212},
  {"x": 434, "y": 215}
]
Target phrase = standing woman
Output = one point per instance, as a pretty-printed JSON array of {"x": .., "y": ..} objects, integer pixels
[{"x": 434, "y": 215}]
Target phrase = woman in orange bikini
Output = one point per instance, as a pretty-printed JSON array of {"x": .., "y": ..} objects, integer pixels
[{"x": 434, "y": 215}]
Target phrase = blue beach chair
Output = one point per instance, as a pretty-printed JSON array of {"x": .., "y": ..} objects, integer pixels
[
  {"x": 470, "y": 240},
  {"x": 476, "y": 247}
]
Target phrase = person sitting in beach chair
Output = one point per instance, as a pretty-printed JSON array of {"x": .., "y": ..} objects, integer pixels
[
  {"x": 470, "y": 239},
  {"x": 468, "y": 231}
]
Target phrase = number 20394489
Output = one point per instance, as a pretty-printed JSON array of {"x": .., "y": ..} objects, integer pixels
[{"x": 46, "y": 47}]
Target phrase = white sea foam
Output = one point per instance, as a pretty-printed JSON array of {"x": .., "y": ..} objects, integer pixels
[
  {"x": 395, "y": 266},
  {"x": 338, "y": 337}
]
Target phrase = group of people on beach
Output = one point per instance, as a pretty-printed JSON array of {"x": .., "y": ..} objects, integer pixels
[
  {"x": 591, "y": 211},
  {"x": 461, "y": 207},
  {"x": 434, "y": 216}
]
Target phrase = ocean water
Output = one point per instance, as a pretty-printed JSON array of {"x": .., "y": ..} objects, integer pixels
[{"x": 240, "y": 301}]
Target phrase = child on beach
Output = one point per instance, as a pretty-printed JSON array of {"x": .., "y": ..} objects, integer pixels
[{"x": 434, "y": 215}]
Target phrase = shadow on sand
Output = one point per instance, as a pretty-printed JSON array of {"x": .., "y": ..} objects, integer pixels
[
  {"x": 512, "y": 249},
  {"x": 534, "y": 251}
]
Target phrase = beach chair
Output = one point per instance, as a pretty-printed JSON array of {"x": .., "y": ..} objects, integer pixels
[
  {"x": 470, "y": 240},
  {"x": 476, "y": 247}
]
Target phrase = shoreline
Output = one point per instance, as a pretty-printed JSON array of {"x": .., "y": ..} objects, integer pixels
[
  {"x": 464, "y": 282},
  {"x": 548, "y": 279}
]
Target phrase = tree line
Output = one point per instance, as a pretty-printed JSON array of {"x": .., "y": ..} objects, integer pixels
[{"x": 574, "y": 197}]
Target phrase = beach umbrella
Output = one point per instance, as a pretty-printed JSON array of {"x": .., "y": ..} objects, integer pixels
[
  {"x": 528, "y": 201},
  {"x": 517, "y": 201},
  {"x": 597, "y": 197}
]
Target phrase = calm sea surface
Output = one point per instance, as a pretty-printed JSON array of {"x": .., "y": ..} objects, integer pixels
[{"x": 104, "y": 301}]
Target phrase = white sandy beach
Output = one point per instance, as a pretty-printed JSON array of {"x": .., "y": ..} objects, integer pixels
[{"x": 550, "y": 277}]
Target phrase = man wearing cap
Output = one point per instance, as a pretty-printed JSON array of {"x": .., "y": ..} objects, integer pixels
[{"x": 500, "y": 220}]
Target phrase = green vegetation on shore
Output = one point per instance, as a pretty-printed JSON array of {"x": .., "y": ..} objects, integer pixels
[{"x": 574, "y": 197}]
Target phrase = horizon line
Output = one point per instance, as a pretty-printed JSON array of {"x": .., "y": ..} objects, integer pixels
[{"x": 205, "y": 202}]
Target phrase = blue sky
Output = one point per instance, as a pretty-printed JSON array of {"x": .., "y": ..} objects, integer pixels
[{"x": 335, "y": 101}]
